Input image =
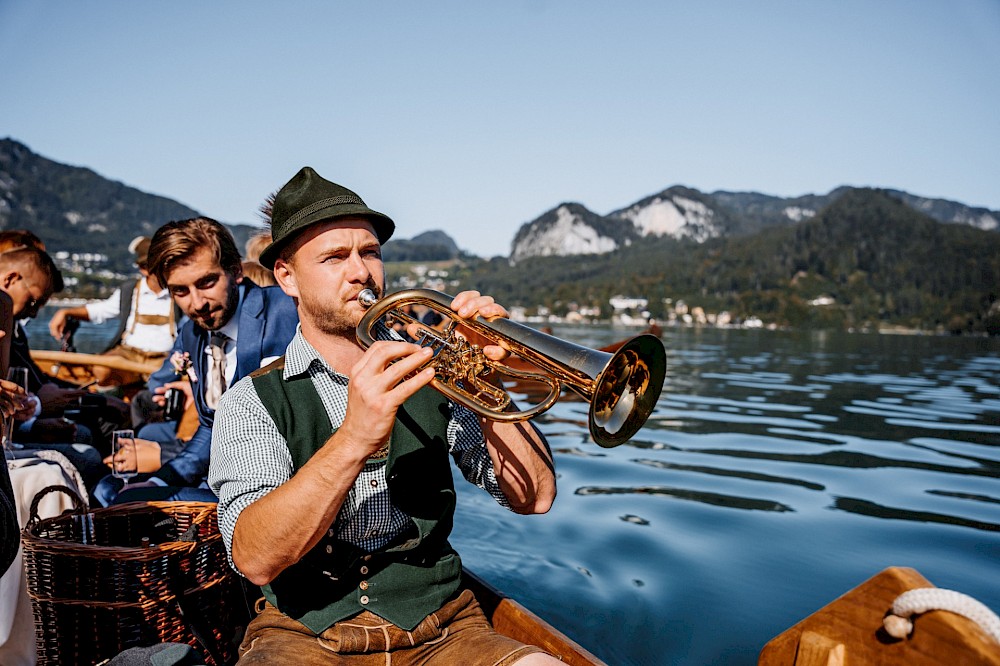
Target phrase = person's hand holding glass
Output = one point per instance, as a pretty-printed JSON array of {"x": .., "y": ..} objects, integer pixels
[
  {"x": 124, "y": 463},
  {"x": 13, "y": 400}
]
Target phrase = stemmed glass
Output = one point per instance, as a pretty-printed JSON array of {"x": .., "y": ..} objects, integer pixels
[
  {"x": 18, "y": 376},
  {"x": 124, "y": 463}
]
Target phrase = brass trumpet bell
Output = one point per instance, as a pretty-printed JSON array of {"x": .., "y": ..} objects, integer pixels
[{"x": 622, "y": 388}]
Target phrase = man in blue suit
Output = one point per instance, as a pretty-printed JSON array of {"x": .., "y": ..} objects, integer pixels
[{"x": 234, "y": 327}]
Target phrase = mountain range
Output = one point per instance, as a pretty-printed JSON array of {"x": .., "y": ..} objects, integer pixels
[
  {"x": 854, "y": 257},
  {"x": 685, "y": 213},
  {"x": 865, "y": 261}
]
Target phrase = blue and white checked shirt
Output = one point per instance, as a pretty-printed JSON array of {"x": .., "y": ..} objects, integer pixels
[{"x": 250, "y": 456}]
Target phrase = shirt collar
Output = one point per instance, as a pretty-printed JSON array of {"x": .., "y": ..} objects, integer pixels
[{"x": 300, "y": 355}]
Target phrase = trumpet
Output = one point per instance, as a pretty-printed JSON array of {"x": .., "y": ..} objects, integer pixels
[{"x": 622, "y": 388}]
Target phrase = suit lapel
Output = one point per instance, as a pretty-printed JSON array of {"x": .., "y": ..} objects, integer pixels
[{"x": 251, "y": 335}]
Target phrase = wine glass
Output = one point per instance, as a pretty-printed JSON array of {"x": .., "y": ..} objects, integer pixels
[
  {"x": 124, "y": 464},
  {"x": 20, "y": 377}
]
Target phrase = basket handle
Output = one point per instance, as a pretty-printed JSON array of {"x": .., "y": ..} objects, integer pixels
[
  {"x": 194, "y": 625},
  {"x": 190, "y": 618},
  {"x": 78, "y": 506}
]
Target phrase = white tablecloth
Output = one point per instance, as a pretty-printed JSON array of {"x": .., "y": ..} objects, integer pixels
[{"x": 28, "y": 475}]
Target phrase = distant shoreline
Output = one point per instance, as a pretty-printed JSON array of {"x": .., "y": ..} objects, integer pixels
[
  {"x": 71, "y": 302},
  {"x": 887, "y": 330}
]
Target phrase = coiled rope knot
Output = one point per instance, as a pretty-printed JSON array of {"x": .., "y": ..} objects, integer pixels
[{"x": 914, "y": 602}]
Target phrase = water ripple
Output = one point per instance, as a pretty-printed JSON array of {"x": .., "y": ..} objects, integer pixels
[
  {"x": 714, "y": 499},
  {"x": 922, "y": 412},
  {"x": 740, "y": 473},
  {"x": 950, "y": 427},
  {"x": 873, "y": 510},
  {"x": 965, "y": 496},
  {"x": 855, "y": 460}
]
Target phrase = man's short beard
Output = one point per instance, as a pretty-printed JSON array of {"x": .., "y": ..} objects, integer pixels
[
  {"x": 340, "y": 322},
  {"x": 337, "y": 325},
  {"x": 232, "y": 302}
]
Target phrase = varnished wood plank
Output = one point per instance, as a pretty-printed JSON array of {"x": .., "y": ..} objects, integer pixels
[
  {"x": 940, "y": 638},
  {"x": 42, "y": 356},
  {"x": 818, "y": 650}
]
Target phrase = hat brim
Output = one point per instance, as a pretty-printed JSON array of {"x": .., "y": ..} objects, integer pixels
[{"x": 383, "y": 225}]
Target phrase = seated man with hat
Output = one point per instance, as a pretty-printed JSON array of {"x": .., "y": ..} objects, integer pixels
[{"x": 332, "y": 464}]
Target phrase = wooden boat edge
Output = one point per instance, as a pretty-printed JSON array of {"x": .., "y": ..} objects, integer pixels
[
  {"x": 41, "y": 356},
  {"x": 512, "y": 619},
  {"x": 849, "y": 630}
]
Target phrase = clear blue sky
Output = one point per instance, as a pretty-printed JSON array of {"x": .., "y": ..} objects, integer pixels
[{"x": 476, "y": 117}]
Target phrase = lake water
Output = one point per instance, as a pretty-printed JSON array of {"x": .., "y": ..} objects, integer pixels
[{"x": 778, "y": 471}]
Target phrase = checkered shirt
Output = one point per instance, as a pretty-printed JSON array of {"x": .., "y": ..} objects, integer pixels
[{"x": 250, "y": 456}]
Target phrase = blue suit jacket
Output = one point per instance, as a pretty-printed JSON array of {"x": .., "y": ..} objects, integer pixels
[{"x": 267, "y": 324}]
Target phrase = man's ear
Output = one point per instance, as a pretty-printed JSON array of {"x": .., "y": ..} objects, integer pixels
[
  {"x": 285, "y": 276},
  {"x": 9, "y": 278}
]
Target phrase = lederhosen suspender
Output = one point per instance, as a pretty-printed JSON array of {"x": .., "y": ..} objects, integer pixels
[{"x": 148, "y": 319}]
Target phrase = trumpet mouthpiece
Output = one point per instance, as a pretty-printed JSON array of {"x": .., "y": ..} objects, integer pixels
[{"x": 367, "y": 298}]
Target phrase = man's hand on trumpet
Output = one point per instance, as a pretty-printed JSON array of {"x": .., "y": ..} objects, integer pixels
[{"x": 469, "y": 305}]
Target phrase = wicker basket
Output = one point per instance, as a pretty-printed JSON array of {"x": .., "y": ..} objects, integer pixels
[{"x": 131, "y": 575}]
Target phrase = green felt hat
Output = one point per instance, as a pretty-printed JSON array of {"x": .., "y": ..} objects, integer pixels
[{"x": 309, "y": 198}]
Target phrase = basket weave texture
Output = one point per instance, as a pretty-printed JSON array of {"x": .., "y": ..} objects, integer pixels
[{"x": 131, "y": 575}]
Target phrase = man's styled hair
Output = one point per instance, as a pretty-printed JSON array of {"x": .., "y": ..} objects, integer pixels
[
  {"x": 24, "y": 258},
  {"x": 176, "y": 242},
  {"x": 16, "y": 239},
  {"x": 13, "y": 237}
]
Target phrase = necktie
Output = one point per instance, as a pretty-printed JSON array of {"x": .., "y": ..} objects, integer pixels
[{"x": 216, "y": 385}]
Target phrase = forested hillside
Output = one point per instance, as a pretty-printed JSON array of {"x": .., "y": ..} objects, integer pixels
[
  {"x": 74, "y": 209},
  {"x": 866, "y": 260},
  {"x": 87, "y": 220}
]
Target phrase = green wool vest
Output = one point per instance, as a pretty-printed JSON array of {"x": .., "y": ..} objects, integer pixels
[{"x": 412, "y": 576}]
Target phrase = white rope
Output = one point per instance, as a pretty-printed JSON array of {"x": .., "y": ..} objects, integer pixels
[{"x": 899, "y": 625}]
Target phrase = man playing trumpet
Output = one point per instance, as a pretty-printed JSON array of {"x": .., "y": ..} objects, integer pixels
[{"x": 331, "y": 465}]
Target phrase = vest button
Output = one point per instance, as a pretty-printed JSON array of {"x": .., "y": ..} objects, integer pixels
[
  {"x": 363, "y": 585},
  {"x": 329, "y": 550},
  {"x": 363, "y": 599},
  {"x": 364, "y": 570}
]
